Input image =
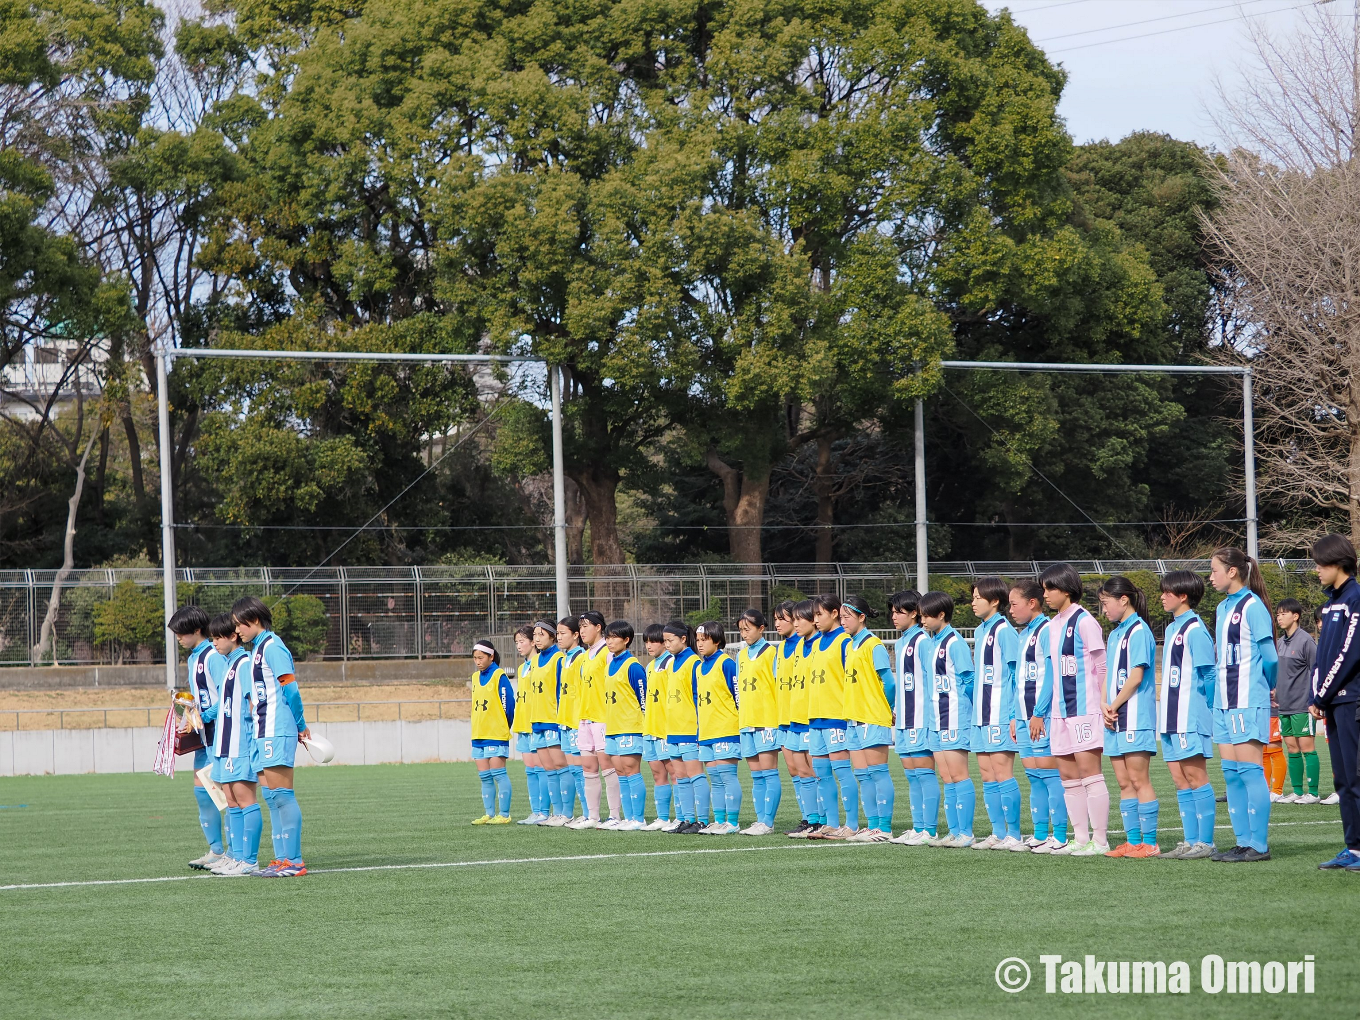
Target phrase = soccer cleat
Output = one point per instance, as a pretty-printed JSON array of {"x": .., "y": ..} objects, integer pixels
[
  {"x": 905, "y": 838},
  {"x": 878, "y": 836},
  {"x": 500, "y": 820},
  {"x": 672, "y": 825},
  {"x": 1175, "y": 854},
  {"x": 1199, "y": 852},
  {"x": 987, "y": 843},
  {"x": 801, "y": 830},
  {"x": 1248, "y": 855},
  {"x": 1122, "y": 850},
  {"x": 827, "y": 832},
  {"x": 1342, "y": 860},
  {"x": 556, "y": 821},
  {"x": 1275, "y": 798},
  {"x": 631, "y": 825},
  {"x": 942, "y": 840},
  {"x": 610, "y": 823},
  {"x": 1012, "y": 844},
  {"x": 1064, "y": 849},
  {"x": 757, "y": 829},
  {"x": 691, "y": 828},
  {"x": 1288, "y": 798},
  {"x": 484, "y": 820},
  {"x": 271, "y": 870},
  {"x": 222, "y": 864},
  {"x": 237, "y": 869},
  {"x": 817, "y": 829},
  {"x": 292, "y": 869},
  {"x": 529, "y": 819},
  {"x": 1092, "y": 849},
  {"x": 1145, "y": 850},
  {"x": 1031, "y": 841},
  {"x": 960, "y": 841},
  {"x": 709, "y": 829},
  {"x": 655, "y": 826},
  {"x": 206, "y": 862},
  {"x": 862, "y": 836},
  {"x": 728, "y": 829},
  {"x": 1223, "y": 855},
  {"x": 1329, "y": 800},
  {"x": 922, "y": 838}
]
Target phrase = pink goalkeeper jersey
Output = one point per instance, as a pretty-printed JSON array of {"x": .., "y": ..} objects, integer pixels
[{"x": 1077, "y": 647}]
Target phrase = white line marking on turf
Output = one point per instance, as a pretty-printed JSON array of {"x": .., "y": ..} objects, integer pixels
[{"x": 535, "y": 860}]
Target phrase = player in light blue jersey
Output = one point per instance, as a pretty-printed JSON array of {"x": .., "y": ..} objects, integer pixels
[
  {"x": 995, "y": 650},
  {"x": 232, "y": 766},
  {"x": 279, "y": 724},
  {"x": 911, "y": 728},
  {"x": 1130, "y": 713},
  {"x": 1033, "y": 687},
  {"x": 951, "y": 716},
  {"x": 1247, "y": 663},
  {"x": 1183, "y": 719},
  {"x": 189, "y": 624}
]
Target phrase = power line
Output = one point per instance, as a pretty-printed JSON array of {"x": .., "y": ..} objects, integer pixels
[
  {"x": 703, "y": 527},
  {"x": 1046, "y": 7},
  {"x": 1179, "y": 28},
  {"x": 1148, "y": 21}
]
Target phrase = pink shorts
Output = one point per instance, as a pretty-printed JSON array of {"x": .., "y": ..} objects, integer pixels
[
  {"x": 590, "y": 738},
  {"x": 1079, "y": 733}
]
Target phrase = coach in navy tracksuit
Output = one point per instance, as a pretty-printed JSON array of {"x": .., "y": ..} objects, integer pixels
[{"x": 1336, "y": 684}]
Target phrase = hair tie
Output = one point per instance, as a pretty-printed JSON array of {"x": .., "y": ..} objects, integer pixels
[
  {"x": 482, "y": 646},
  {"x": 854, "y": 609}
]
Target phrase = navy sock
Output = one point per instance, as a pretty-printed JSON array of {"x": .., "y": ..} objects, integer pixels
[{"x": 209, "y": 819}]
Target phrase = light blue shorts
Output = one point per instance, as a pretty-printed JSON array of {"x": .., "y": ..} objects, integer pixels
[
  {"x": 994, "y": 738},
  {"x": 720, "y": 750},
  {"x": 273, "y": 753},
  {"x": 1239, "y": 725},
  {"x": 686, "y": 751},
  {"x": 952, "y": 740},
  {"x": 568, "y": 740},
  {"x": 524, "y": 743},
  {"x": 547, "y": 738},
  {"x": 913, "y": 743},
  {"x": 649, "y": 749},
  {"x": 623, "y": 743},
  {"x": 490, "y": 749},
  {"x": 827, "y": 742},
  {"x": 862, "y": 736},
  {"x": 233, "y": 770},
  {"x": 202, "y": 757},
  {"x": 759, "y": 741},
  {"x": 1179, "y": 746},
  {"x": 1123, "y": 742},
  {"x": 796, "y": 740},
  {"x": 1031, "y": 748}
]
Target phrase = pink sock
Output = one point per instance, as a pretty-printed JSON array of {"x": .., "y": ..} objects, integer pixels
[
  {"x": 1074, "y": 794},
  {"x": 1098, "y": 806},
  {"x": 611, "y": 793},
  {"x": 593, "y": 795}
]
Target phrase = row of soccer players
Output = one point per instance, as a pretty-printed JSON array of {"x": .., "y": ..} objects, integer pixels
[
  {"x": 242, "y": 678},
  {"x": 1051, "y": 690}
]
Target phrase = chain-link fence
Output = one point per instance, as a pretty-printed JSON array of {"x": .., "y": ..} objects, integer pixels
[{"x": 115, "y": 615}]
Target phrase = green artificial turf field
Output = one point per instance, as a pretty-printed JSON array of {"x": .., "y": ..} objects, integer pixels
[{"x": 411, "y": 912}]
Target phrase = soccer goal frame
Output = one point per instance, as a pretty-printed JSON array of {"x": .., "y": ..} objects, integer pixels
[
  {"x": 165, "y": 359},
  {"x": 1248, "y": 429}
]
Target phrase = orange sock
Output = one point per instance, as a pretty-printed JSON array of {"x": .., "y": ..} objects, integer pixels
[{"x": 1275, "y": 768}]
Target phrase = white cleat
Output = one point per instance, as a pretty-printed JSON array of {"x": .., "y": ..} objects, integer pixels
[
  {"x": 533, "y": 818},
  {"x": 1052, "y": 846},
  {"x": 237, "y": 869},
  {"x": 206, "y": 862},
  {"x": 1014, "y": 845},
  {"x": 1276, "y": 798},
  {"x": 672, "y": 825},
  {"x": 944, "y": 839},
  {"x": 758, "y": 829},
  {"x": 922, "y": 838},
  {"x": 631, "y": 825},
  {"x": 1288, "y": 798},
  {"x": 556, "y": 821},
  {"x": 223, "y": 863},
  {"x": 988, "y": 843},
  {"x": 1091, "y": 849},
  {"x": 726, "y": 829},
  {"x": 657, "y": 825},
  {"x": 1329, "y": 800},
  {"x": 961, "y": 841},
  {"x": 610, "y": 823},
  {"x": 711, "y": 829},
  {"x": 1031, "y": 841},
  {"x": 905, "y": 838}
]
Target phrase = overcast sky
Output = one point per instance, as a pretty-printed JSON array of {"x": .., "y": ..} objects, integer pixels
[{"x": 1146, "y": 64}]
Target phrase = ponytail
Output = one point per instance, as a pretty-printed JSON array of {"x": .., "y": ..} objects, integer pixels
[
  {"x": 681, "y": 629},
  {"x": 1249, "y": 571},
  {"x": 1120, "y": 586}
]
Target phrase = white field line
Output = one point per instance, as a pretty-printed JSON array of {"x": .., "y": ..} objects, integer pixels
[{"x": 540, "y": 860}]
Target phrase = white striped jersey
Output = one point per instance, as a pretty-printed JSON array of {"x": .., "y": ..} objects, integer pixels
[
  {"x": 232, "y": 738},
  {"x": 201, "y": 684},
  {"x": 1033, "y": 668},
  {"x": 269, "y": 660},
  {"x": 1188, "y": 669},
  {"x": 995, "y": 648},
  {"x": 1130, "y": 645},
  {"x": 912, "y": 652},
  {"x": 1242, "y": 621},
  {"x": 951, "y": 681}
]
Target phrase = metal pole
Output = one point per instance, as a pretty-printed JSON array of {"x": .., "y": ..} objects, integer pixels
[
  {"x": 1249, "y": 448},
  {"x": 167, "y": 514},
  {"x": 559, "y": 496},
  {"x": 922, "y": 548}
]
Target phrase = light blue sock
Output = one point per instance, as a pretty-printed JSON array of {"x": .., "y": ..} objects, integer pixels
[
  {"x": 290, "y": 825},
  {"x": 758, "y": 781},
  {"x": 966, "y": 794},
  {"x": 533, "y": 778},
  {"x": 684, "y": 798},
  {"x": 275, "y": 823},
  {"x": 951, "y": 809},
  {"x": 568, "y": 780},
  {"x": 1057, "y": 805},
  {"x": 829, "y": 804},
  {"x": 844, "y": 774},
  {"x": 800, "y": 794},
  {"x": 578, "y": 778},
  {"x": 634, "y": 795},
  {"x": 488, "y": 790},
  {"x": 1206, "y": 810},
  {"x": 1185, "y": 804},
  {"x": 732, "y": 793},
  {"x": 991, "y": 800},
  {"x": 502, "y": 781},
  {"x": 809, "y": 787},
  {"x": 1010, "y": 806},
  {"x": 1257, "y": 796},
  {"x": 703, "y": 796},
  {"x": 1148, "y": 811},
  {"x": 930, "y": 799},
  {"x": 774, "y": 793},
  {"x": 209, "y": 819},
  {"x": 661, "y": 794},
  {"x": 1237, "y": 803},
  {"x": 868, "y": 796},
  {"x": 1128, "y": 810},
  {"x": 885, "y": 794},
  {"x": 552, "y": 778},
  {"x": 252, "y": 825},
  {"x": 918, "y": 814},
  {"x": 717, "y": 793},
  {"x": 1038, "y": 803},
  {"x": 236, "y": 834}
]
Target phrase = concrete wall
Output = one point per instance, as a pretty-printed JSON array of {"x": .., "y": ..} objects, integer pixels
[
  {"x": 64, "y": 752},
  {"x": 365, "y": 671}
]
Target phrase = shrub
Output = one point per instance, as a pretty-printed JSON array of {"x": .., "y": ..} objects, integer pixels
[{"x": 302, "y": 622}]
